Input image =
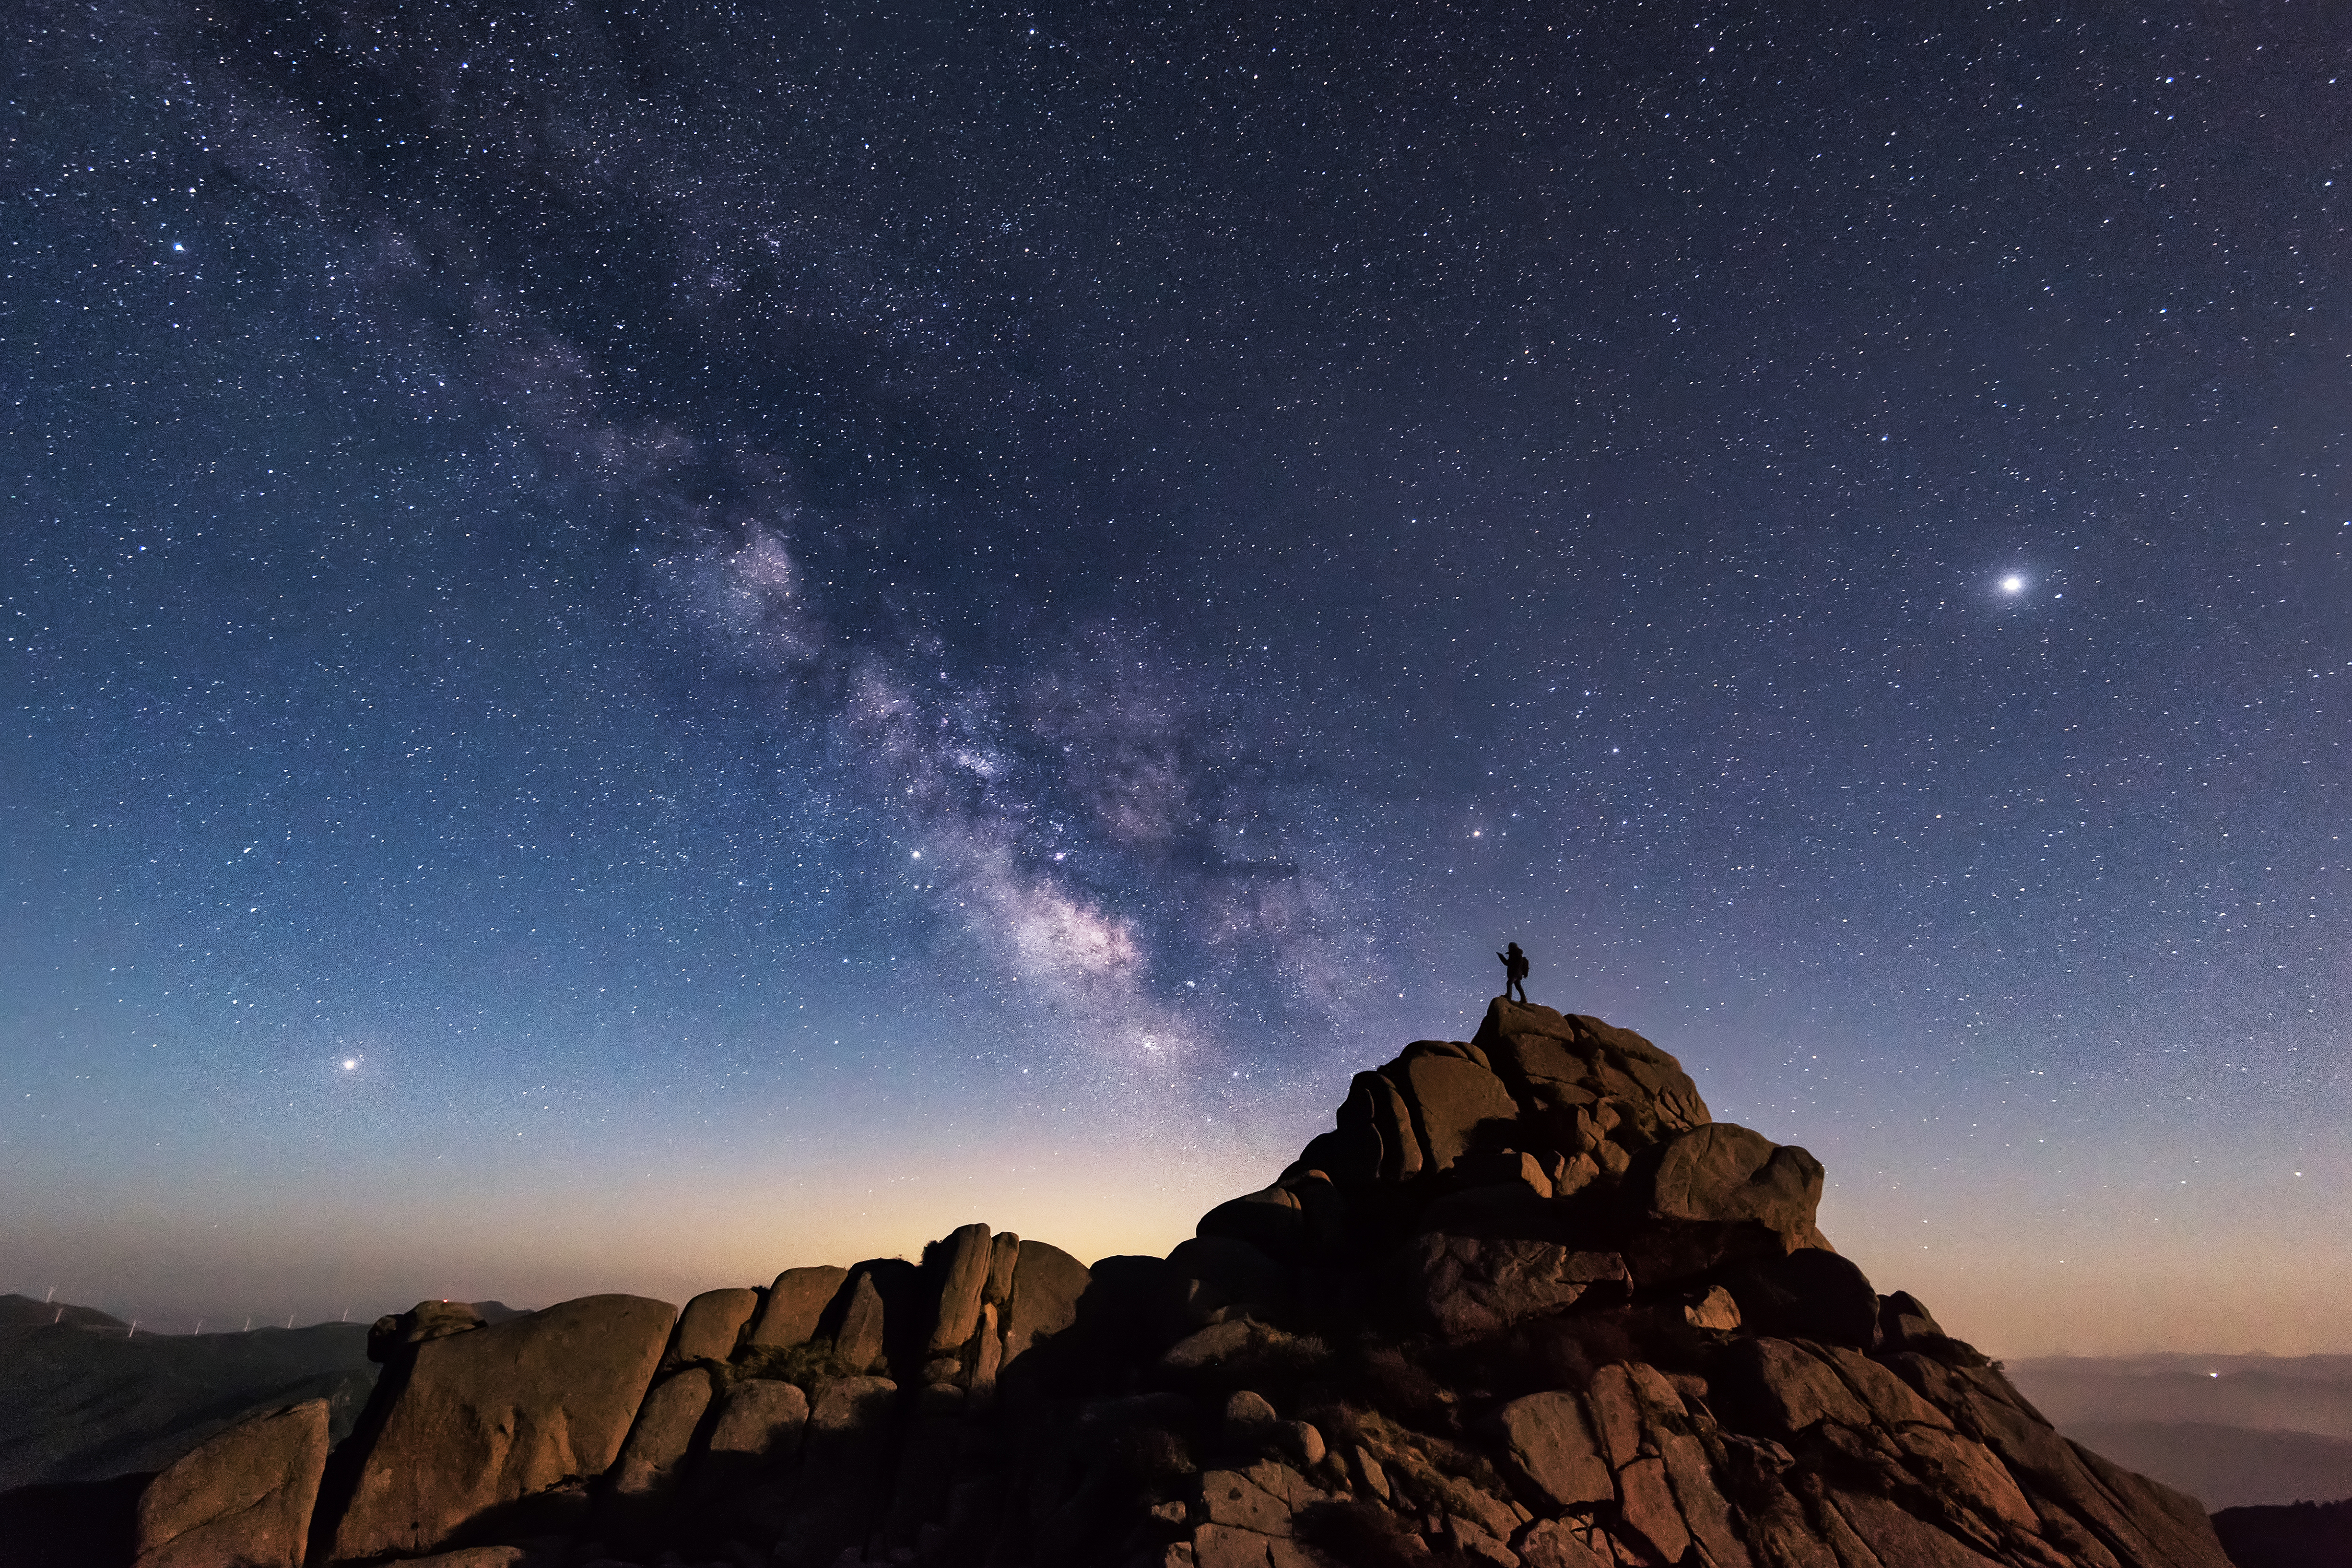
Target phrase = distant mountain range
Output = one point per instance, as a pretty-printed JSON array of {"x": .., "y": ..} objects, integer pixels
[
  {"x": 24, "y": 1313},
  {"x": 82, "y": 1398},
  {"x": 2230, "y": 1430}
]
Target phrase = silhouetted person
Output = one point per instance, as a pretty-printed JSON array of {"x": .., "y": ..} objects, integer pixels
[{"x": 1515, "y": 971}]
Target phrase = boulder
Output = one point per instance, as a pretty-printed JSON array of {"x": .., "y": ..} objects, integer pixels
[
  {"x": 1047, "y": 1285},
  {"x": 1789, "y": 1391},
  {"x": 1491, "y": 1514},
  {"x": 1467, "y": 1286},
  {"x": 1527, "y": 1044},
  {"x": 988, "y": 1355},
  {"x": 1667, "y": 1493},
  {"x": 1320, "y": 1200},
  {"x": 1621, "y": 1397},
  {"x": 1894, "y": 1536},
  {"x": 1966, "y": 1471},
  {"x": 962, "y": 1287},
  {"x": 849, "y": 1416},
  {"x": 1458, "y": 1106},
  {"x": 1722, "y": 1172},
  {"x": 1902, "y": 1320},
  {"x": 1660, "y": 1078},
  {"x": 1003, "y": 1258},
  {"x": 1229, "y": 1546},
  {"x": 1716, "y": 1311},
  {"x": 644, "y": 1482},
  {"x": 1231, "y": 1499},
  {"x": 926, "y": 1460},
  {"x": 843, "y": 1483},
  {"x": 1219, "y": 1342},
  {"x": 1271, "y": 1220},
  {"x": 389, "y": 1337},
  {"x": 241, "y": 1499},
  {"x": 1565, "y": 1543},
  {"x": 1571, "y": 1174},
  {"x": 1550, "y": 1445},
  {"x": 1810, "y": 1295},
  {"x": 860, "y": 1341},
  {"x": 1559, "y": 1059},
  {"x": 1261, "y": 1498},
  {"x": 1474, "y": 1543},
  {"x": 1493, "y": 1208},
  {"x": 2175, "y": 1525},
  {"x": 1401, "y": 1154},
  {"x": 1694, "y": 1253},
  {"x": 1303, "y": 1441},
  {"x": 1218, "y": 1271},
  {"x": 758, "y": 1426},
  {"x": 1616, "y": 1398},
  {"x": 795, "y": 1301},
  {"x": 1247, "y": 1413},
  {"x": 1355, "y": 1152},
  {"x": 497, "y": 1415},
  {"x": 1892, "y": 1402},
  {"x": 712, "y": 1324},
  {"x": 1705, "y": 1511}
]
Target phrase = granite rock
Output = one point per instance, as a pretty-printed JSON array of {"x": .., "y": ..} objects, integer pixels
[
  {"x": 491, "y": 1416},
  {"x": 241, "y": 1499}
]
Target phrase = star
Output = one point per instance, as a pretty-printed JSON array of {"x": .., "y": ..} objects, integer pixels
[{"x": 878, "y": 530}]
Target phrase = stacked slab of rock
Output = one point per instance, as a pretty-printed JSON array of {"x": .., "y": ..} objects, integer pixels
[
  {"x": 242, "y": 1499},
  {"x": 839, "y": 1409},
  {"x": 1610, "y": 1333},
  {"x": 492, "y": 1430},
  {"x": 1526, "y": 1304}
]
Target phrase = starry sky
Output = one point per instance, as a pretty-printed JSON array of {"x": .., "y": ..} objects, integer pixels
[{"x": 645, "y": 643}]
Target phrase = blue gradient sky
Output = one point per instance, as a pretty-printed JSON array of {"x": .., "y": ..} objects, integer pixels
[{"x": 639, "y": 653}]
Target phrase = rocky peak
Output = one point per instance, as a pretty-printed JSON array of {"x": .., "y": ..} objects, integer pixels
[
  {"x": 1552, "y": 1159},
  {"x": 1525, "y": 1304}
]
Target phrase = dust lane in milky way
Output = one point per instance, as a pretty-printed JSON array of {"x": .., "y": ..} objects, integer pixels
[{"x": 644, "y": 648}]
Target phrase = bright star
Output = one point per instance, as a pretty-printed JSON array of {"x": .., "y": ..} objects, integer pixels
[
  {"x": 2012, "y": 585},
  {"x": 351, "y": 1064}
]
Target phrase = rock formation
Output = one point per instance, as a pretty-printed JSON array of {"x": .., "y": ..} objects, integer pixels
[
  {"x": 1527, "y": 1303},
  {"x": 244, "y": 1499}
]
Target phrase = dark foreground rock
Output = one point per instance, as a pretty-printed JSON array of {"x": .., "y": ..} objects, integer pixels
[
  {"x": 241, "y": 1500},
  {"x": 1527, "y": 1303},
  {"x": 2291, "y": 1535},
  {"x": 94, "y": 1524}
]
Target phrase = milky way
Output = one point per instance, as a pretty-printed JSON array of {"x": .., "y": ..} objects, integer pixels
[{"x": 649, "y": 643}]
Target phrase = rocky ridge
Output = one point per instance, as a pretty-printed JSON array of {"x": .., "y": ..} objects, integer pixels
[{"x": 1527, "y": 1304}]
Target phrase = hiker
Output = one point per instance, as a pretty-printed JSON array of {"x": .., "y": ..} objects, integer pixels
[{"x": 1515, "y": 973}]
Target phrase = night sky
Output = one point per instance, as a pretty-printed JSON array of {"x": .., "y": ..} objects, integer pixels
[{"x": 646, "y": 643}]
